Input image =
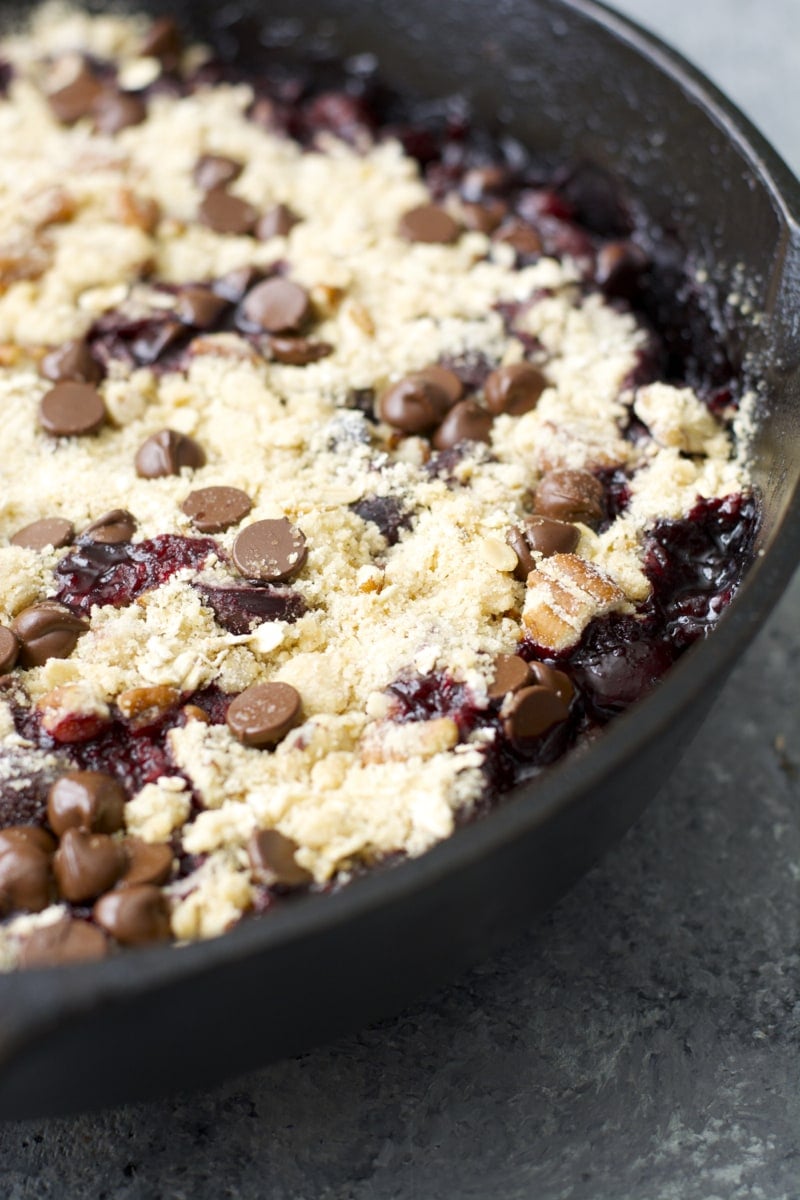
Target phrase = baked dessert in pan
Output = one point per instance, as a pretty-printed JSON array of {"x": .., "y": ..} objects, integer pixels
[{"x": 352, "y": 478}]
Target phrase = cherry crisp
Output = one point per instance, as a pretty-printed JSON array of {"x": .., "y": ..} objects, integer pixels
[{"x": 358, "y": 467}]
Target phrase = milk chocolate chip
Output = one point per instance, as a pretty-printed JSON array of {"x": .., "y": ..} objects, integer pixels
[
  {"x": 162, "y": 41},
  {"x": 167, "y": 453},
  {"x": 9, "y": 650},
  {"x": 72, "y": 410},
  {"x": 485, "y": 217},
  {"x": 511, "y": 674},
  {"x": 514, "y": 389},
  {"x": 26, "y": 882},
  {"x": 272, "y": 858},
  {"x": 134, "y": 915},
  {"x": 557, "y": 681},
  {"x": 215, "y": 170},
  {"x": 115, "y": 110},
  {"x": 415, "y": 404},
  {"x": 52, "y": 531},
  {"x": 87, "y": 864},
  {"x": 279, "y": 221},
  {"x": 147, "y": 863},
  {"x": 46, "y": 630},
  {"x": 112, "y": 528},
  {"x": 521, "y": 236},
  {"x": 71, "y": 363},
  {"x": 77, "y": 98},
  {"x": 570, "y": 495},
  {"x": 272, "y": 550},
  {"x": 544, "y": 534},
  {"x": 264, "y": 713},
  {"x": 199, "y": 306},
  {"x": 298, "y": 351},
  {"x": 86, "y": 799},
  {"x": 226, "y": 213},
  {"x": 62, "y": 943},
  {"x": 428, "y": 223},
  {"x": 467, "y": 422},
  {"x": 445, "y": 379},
  {"x": 533, "y": 711},
  {"x": 213, "y": 509},
  {"x": 277, "y": 306}
]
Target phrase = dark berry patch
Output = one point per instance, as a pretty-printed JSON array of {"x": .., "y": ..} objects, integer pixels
[
  {"x": 95, "y": 573},
  {"x": 240, "y": 607},
  {"x": 695, "y": 564},
  {"x": 387, "y": 512}
]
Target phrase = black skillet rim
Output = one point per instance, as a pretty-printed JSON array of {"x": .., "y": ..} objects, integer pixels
[{"x": 60, "y": 990}]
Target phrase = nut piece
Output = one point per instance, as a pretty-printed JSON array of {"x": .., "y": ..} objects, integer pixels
[
  {"x": 564, "y": 594},
  {"x": 272, "y": 858},
  {"x": 86, "y": 799},
  {"x": 62, "y": 943},
  {"x": 46, "y": 630},
  {"x": 386, "y": 741},
  {"x": 264, "y": 713},
  {"x": 141, "y": 212},
  {"x": 145, "y": 706},
  {"x": 134, "y": 915}
]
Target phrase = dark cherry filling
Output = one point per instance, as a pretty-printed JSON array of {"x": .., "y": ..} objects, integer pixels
[
  {"x": 134, "y": 756},
  {"x": 616, "y": 486},
  {"x": 238, "y": 607},
  {"x": 387, "y": 512},
  {"x": 116, "y": 574}
]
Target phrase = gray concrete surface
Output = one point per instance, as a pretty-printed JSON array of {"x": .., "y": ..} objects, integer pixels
[{"x": 640, "y": 1043}]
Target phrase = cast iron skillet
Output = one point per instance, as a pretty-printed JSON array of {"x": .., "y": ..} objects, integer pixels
[{"x": 576, "y": 79}]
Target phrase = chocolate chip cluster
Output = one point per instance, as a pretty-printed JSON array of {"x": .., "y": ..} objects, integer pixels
[{"x": 432, "y": 403}]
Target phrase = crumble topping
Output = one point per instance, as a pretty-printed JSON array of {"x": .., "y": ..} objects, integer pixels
[{"x": 361, "y": 541}]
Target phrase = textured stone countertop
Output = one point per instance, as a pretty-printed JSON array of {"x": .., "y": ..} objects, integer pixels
[{"x": 642, "y": 1042}]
